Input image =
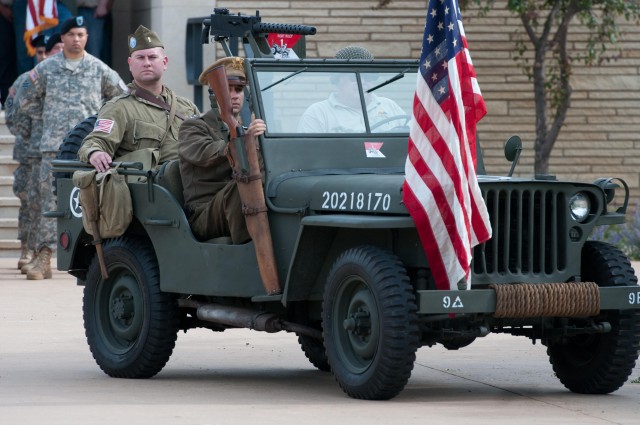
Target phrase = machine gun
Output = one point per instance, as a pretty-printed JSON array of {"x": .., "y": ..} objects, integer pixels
[{"x": 222, "y": 26}]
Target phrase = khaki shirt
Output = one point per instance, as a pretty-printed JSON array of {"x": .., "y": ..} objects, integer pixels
[
  {"x": 204, "y": 168},
  {"x": 129, "y": 123}
]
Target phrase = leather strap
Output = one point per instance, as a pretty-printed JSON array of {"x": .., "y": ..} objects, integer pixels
[{"x": 149, "y": 97}]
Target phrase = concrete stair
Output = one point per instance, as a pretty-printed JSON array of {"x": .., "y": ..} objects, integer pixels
[{"x": 9, "y": 204}]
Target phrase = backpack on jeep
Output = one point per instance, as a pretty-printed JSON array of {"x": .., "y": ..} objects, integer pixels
[{"x": 110, "y": 194}]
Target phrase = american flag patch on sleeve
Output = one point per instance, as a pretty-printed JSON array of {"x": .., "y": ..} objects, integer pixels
[{"x": 104, "y": 126}]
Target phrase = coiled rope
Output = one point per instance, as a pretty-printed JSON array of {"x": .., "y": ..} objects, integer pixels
[{"x": 571, "y": 299}]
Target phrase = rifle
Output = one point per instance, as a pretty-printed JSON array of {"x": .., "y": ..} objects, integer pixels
[
  {"x": 242, "y": 153},
  {"x": 90, "y": 207}
]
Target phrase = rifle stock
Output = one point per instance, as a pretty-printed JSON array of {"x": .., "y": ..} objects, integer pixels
[
  {"x": 89, "y": 199},
  {"x": 243, "y": 156},
  {"x": 217, "y": 79}
]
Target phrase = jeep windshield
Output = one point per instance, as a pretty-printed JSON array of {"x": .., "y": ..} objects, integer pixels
[{"x": 326, "y": 98}]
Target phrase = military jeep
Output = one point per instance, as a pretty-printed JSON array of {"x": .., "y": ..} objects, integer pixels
[{"x": 356, "y": 284}]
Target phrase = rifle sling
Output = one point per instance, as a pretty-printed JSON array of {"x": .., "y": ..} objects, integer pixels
[{"x": 144, "y": 94}]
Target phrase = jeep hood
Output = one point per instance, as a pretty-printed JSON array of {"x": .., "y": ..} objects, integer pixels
[{"x": 345, "y": 193}]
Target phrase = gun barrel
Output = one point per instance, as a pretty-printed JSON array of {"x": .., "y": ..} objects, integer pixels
[{"x": 265, "y": 27}]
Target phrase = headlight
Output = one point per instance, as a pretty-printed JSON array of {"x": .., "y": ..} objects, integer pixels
[{"x": 580, "y": 206}]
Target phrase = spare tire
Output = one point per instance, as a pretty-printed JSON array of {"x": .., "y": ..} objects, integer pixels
[{"x": 71, "y": 144}]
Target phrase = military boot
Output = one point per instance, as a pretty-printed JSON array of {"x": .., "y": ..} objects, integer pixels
[
  {"x": 42, "y": 269},
  {"x": 25, "y": 254},
  {"x": 31, "y": 264}
]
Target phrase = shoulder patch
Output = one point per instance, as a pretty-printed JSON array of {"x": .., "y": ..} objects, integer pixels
[
  {"x": 104, "y": 126},
  {"x": 33, "y": 74}
]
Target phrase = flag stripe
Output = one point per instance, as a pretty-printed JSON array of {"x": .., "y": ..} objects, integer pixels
[
  {"x": 41, "y": 15},
  {"x": 441, "y": 191}
]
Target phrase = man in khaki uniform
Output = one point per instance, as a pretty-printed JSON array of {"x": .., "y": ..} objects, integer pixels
[
  {"x": 211, "y": 197},
  {"x": 148, "y": 117}
]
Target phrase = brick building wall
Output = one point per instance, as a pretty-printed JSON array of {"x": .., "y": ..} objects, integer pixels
[{"x": 601, "y": 134}]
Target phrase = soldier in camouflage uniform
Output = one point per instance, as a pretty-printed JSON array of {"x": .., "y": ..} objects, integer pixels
[
  {"x": 34, "y": 156},
  {"x": 21, "y": 126},
  {"x": 68, "y": 87},
  {"x": 147, "y": 117}
]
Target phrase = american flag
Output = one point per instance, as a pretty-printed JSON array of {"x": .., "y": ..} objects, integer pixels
[
  {"x": 41, "y": 14},
  {"x": 104, "y": 126},
  {"x": 441, "y": 190}
]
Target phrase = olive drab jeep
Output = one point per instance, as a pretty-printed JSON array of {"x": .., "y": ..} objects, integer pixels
[{"x": 356, "y": 286}]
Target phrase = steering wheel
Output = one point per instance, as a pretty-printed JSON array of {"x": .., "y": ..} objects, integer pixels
[{"x": 404, "y": 118}]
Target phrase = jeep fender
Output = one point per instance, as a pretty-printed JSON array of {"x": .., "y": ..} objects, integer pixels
[{"x": 323, "y": 237}]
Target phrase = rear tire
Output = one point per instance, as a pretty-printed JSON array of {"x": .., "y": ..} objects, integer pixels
[
  {"x": 600, "y": 363},
  {"x": 130, "y": 324},
  {"x": 71, "y": 144},
  {"x": 313, "y": 349}
]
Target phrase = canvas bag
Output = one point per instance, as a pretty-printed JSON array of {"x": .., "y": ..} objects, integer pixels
[{"x": 115, "y": 208}]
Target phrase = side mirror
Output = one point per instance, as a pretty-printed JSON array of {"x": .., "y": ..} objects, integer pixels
[{"x": 512, "y": 149}]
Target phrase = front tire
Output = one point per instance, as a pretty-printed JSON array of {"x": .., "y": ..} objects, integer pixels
[
  {"x": 370, "y": 323},
  {"x": 600, "y": 363},
  {"x": 130, "y": 324}
]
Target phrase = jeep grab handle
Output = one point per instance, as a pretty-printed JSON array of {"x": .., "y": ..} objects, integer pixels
[{"x": 78, "y": 165}]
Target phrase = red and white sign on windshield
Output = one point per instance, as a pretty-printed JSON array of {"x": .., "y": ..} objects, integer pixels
[{"x": 282, "y": 45}]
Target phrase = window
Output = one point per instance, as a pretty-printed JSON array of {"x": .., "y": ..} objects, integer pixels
[{"x": 306, "y": 101}]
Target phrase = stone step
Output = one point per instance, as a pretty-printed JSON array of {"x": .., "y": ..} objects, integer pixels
[
  {"x": 8, "y": 228},
  {"x": 9, "y": 207},
  {"x": 10, "y": 248},
  {"x": 4, "y": 130},
  {"x": 9, "y": 204},
  {"x": 7, "y": 165},
  {"x": 6, "y": 144},
  {"x": 6, "y": 186}
]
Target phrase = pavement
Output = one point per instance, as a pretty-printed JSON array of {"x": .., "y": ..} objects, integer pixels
[{"x": 47, "y": 376}]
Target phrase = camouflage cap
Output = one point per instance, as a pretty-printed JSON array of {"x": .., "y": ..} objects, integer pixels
[
  {"x": 143, "y": 39},
  {"x": 71, "y": 23},
  {"x": 234, "y": 67},
  {"x": 52, "y": 41},
  {"x": 354, "y": 52}
]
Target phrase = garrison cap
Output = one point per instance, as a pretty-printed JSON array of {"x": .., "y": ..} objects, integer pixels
[
  {"x": 354, "y": 52},
  {"x": 143, "y": 39},
  {"x": 71, "y": 23},
  {"x": 234, "y": 66},
  {"x": 52, "y": 41},
  {"x": 39, "y": 41}
]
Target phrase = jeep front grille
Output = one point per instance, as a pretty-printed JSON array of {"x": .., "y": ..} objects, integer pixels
[{"x": 528, "y": 233}]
